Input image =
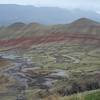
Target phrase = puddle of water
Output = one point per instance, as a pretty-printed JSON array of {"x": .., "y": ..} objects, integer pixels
[{"x": 61, "y": 73}]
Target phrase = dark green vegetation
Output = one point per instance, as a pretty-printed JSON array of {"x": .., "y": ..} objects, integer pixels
[{"x": 93, "y": 95}]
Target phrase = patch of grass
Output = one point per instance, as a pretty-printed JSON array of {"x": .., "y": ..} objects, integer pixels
[{"x": 92, "y": 95}]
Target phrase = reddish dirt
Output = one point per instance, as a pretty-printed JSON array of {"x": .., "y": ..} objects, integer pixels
[{"x": 28, "y": 41}]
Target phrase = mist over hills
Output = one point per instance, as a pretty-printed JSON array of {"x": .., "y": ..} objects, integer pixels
[
  {"x": 80, "y": 26},
  {"x": 11, "y": 13},
  {"x": 41, "y": 61}
]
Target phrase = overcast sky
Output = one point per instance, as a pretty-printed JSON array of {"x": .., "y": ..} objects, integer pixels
[{"x": 69, "y": 4}]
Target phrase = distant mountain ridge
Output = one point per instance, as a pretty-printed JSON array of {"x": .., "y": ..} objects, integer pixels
[
  {"x": 80, "y": 26},
  {"x": 85, "y": 31},
  {"x": 10, "y": 13}
]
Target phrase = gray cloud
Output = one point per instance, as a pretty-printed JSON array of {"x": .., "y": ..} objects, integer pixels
[{"x": 69, "y": 4}]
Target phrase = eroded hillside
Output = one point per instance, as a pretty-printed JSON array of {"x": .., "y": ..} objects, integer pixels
[{"x": 53, "y": 62}]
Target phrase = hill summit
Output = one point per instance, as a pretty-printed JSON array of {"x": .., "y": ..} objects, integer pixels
[{"x": 84, "y": 26}]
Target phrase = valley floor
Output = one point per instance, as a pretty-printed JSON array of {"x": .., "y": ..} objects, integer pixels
[{"x": 43, "y": 70}]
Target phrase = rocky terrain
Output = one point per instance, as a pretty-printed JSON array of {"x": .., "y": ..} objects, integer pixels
[{"x": 37, "y": 61}]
